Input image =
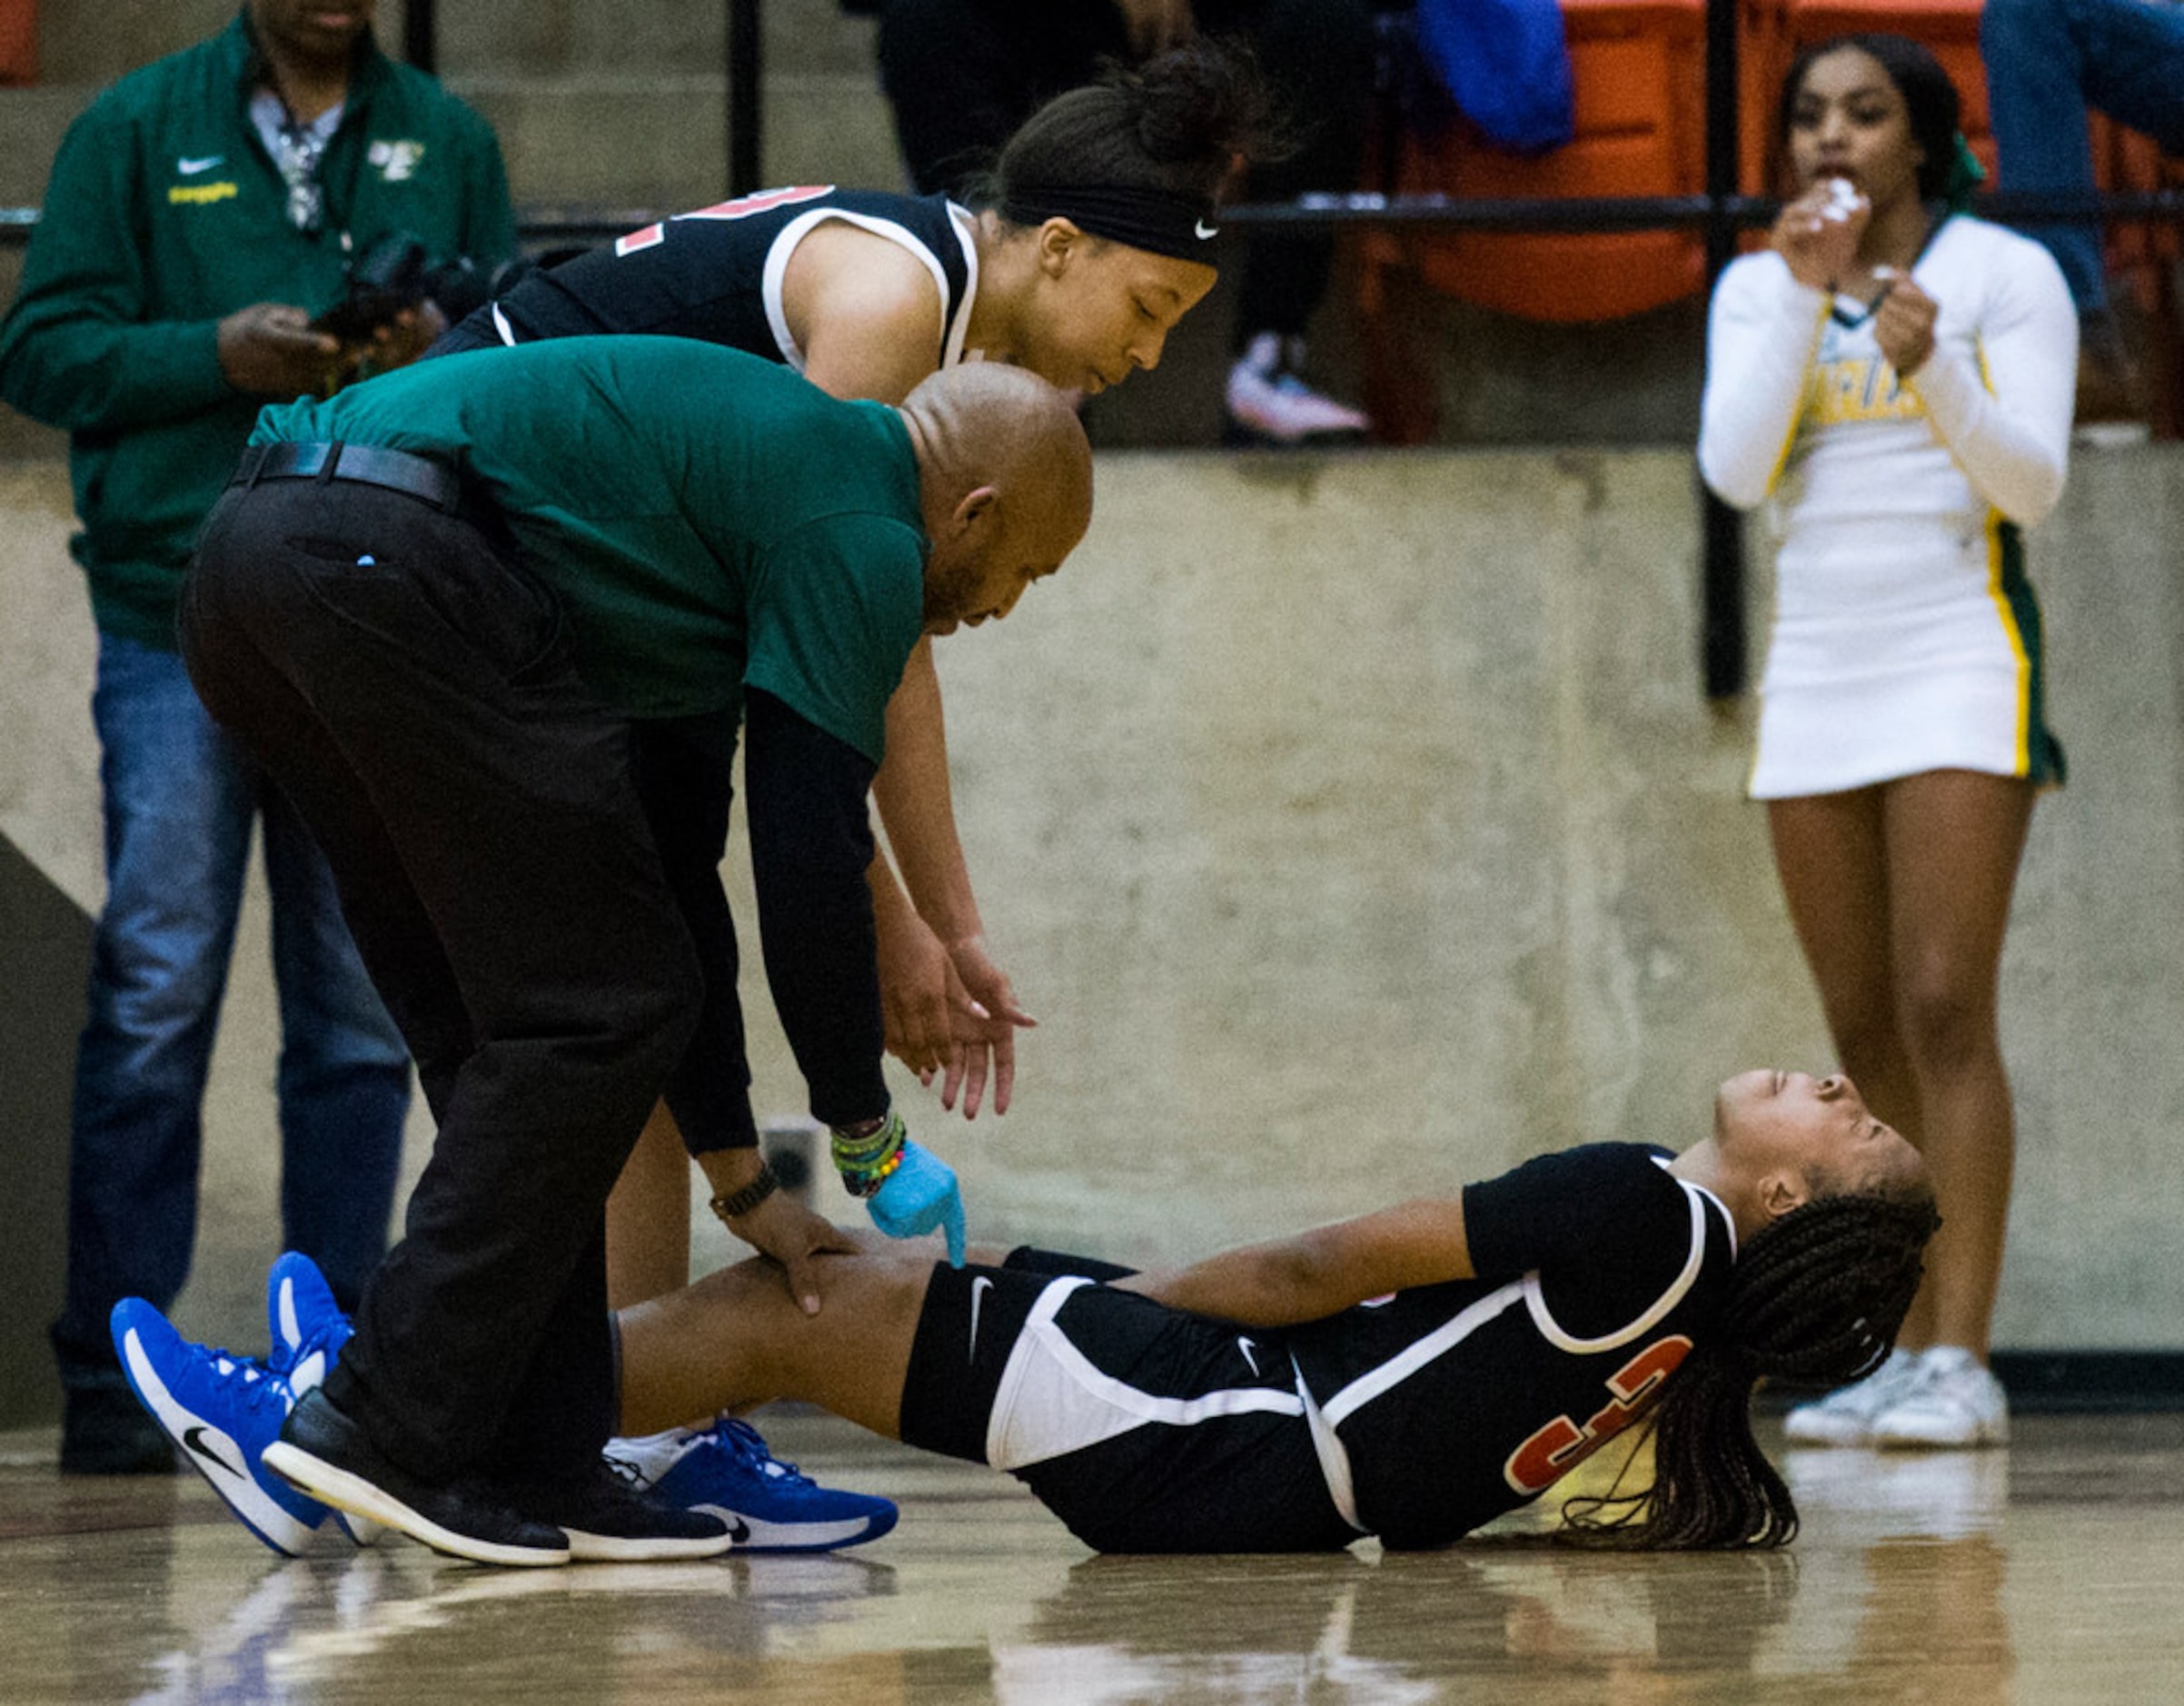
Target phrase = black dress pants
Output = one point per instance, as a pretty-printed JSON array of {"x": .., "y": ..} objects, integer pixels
[{"x": 408, "y": 682}]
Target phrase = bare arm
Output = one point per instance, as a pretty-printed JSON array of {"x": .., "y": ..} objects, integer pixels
[
  {"x": 917, "y": 808},
  {"x": 917, "y": 805},
  {"x": 1321, "y": 1271},
  {"x": 864, "y": 311}
]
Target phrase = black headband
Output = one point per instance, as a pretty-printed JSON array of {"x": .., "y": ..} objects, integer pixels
[{"x": 1157, "y": 220}]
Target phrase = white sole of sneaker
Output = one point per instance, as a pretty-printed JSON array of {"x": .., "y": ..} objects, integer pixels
[
  {"x": 615, "y": 1549},
  {"x": 358, "y": 1496},
  {"x": 752, "y": 1534},
  {"x": 215, "y": 1456}
]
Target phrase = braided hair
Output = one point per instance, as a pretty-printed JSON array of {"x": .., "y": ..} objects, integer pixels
[{"x": 1815, "y": 1298}]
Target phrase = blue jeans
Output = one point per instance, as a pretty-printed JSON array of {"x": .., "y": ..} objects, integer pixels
[
  {"x": 2047, "y": 61},
  {"x": 180, "y": 800}
]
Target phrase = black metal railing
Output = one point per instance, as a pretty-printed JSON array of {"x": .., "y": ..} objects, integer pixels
[{"x": 1721, "y": 214}]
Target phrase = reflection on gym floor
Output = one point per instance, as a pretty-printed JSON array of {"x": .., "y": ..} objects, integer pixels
[{"x": 2046, "y": 1573}]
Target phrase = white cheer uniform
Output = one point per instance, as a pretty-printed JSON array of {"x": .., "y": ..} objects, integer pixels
[{"x": 1906, "y": 637}]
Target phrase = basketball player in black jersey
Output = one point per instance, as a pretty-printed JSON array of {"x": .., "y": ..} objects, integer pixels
[{"x": 1409, "y": 1374}]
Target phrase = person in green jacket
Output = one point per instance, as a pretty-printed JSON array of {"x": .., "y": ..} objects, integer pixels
[{"x": 201, "y": 215}]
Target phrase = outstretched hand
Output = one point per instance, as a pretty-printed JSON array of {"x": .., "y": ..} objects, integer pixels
[
  {"x": 919, "y": 993},
  {"x": 950, "y": 1013},
  {"x": 986, "y": 1017}
]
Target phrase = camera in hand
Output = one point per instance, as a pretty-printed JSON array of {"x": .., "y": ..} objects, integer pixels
[{"x": 399, "y": 273}]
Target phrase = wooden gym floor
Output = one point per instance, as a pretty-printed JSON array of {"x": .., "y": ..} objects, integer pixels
[{"x": 2051, "y": 1573}]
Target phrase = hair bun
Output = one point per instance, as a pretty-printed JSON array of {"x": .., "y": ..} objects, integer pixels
[
  {"x": 1179, "y": 125},
  {"x": 1205, "y": 99}
]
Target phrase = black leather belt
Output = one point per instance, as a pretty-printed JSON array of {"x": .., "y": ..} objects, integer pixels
[{"x": 422, "y": 477}]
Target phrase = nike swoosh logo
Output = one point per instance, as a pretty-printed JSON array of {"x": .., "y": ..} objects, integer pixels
[
  {"x": 1206, "y": 232},
  {"x": 1245, "y": 1345},
  {"x": 190, "y": 168},
  {"x": 738, "y": 1531},
  {"x": 978, "y": 1288},
  {"x": 194, "y": 1439}
]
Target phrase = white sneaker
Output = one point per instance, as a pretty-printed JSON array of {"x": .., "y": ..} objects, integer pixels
[
  {"x": 1845, "y": 1416},
  {"x": 1955, "y": 1402},
  {"x": 1266, "y": 399}
]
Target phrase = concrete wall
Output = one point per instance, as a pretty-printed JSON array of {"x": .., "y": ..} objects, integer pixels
[
  {"x": 1352, "y": 825},
  {"x": 1355, "y": 826}
]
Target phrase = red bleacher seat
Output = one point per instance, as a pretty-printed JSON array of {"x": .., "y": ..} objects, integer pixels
[
  {"x": 1637, "y": 69},
  {"x": 18, "y": 41}
]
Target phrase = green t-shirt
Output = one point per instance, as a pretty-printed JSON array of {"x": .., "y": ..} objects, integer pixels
[{"x": 708, "y": 519}]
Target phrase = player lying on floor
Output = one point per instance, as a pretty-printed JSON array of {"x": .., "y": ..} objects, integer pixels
[{"x": 1411, "y": 1373}]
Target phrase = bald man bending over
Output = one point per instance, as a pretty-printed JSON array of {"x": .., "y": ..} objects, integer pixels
[{"x": 432, "y": 606}]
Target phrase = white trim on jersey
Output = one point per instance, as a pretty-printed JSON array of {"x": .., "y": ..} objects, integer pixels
[
  {"x": 1332, "y": 1455},
  {"x": 501, "y": 326},
  {"x": 796, "y": 230},
  {"x": 1469, "y": 1320},
  {"x": 1422, "y": 1351},
  {"x": 1051, "y": 1399},
  {"x": 1550, "y": 1329},
  {"x": 961, "y": 218}
]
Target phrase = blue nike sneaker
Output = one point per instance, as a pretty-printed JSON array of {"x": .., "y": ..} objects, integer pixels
[
  {"x": 307, "y": 1327},
  {"x": 768, "y": 1505},
  {"x": 308, "y": 1330},
  {"x": 223, "y": 1410}
]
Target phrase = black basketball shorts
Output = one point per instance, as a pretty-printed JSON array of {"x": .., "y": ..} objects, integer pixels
[{"x": 1143, "y": 1428}]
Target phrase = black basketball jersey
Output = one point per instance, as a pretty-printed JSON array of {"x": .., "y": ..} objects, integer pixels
[
  {"x": 716, "y": 273},
  {"x": 1442, "y": 1408}
]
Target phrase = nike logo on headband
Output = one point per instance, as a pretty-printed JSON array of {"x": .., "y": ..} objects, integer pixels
[{"x": 1204, "y": 232}]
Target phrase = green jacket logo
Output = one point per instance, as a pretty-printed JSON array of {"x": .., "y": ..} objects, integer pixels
[
  {"x": 199, "y": 194},
  {"x": 395, "y": 161}
]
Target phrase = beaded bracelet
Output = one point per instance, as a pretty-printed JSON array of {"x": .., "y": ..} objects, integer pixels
[
  {"x": 866, "y": 1160},
  {"x": 864, "y": 1184}
]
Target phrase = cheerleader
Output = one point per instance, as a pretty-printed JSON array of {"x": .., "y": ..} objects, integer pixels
[{"x": 1893, "y": 380}]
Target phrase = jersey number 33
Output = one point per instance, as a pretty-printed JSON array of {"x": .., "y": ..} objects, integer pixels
[{"x": 1560, "y": 1446}]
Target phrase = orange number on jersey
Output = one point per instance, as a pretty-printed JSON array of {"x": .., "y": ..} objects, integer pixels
[
  {"x": 1560, "y": 1446},
  {"x": 742, "y": 207},
  {"x": 764, "y": 201}
]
